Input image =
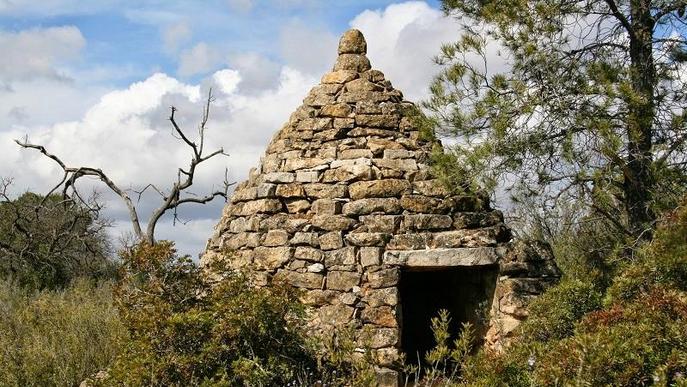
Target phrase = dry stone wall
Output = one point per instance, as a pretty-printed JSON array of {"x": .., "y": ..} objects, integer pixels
[{"x": 344, "y": 199}]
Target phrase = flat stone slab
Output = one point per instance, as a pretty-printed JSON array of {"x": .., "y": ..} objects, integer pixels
[{"x": 463, "y": 256}]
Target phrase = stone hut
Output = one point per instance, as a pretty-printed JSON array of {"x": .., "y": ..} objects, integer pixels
[{"x": 344, "y": 206}]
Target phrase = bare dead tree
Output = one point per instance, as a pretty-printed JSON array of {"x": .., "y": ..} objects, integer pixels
[{"x": 172, "y": 198}]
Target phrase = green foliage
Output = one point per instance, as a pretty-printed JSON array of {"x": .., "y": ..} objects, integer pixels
[
  {"x": 57, "y": 337},
  {"x": 47, "y": 242},
  {"x": 191, "y": 328},
  {"x": 554, "y": 314},
  {"x": 635, "y": 334},
  {"x": 576, "y": 104}
]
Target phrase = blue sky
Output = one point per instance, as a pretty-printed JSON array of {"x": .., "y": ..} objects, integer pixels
[{"x": 94, "y": 80}]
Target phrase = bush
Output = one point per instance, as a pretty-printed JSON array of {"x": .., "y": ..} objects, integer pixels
[
  {"x": 56, "y": 338},
  {"x": 638, "y": 336},
  {"x": 188, "y": 329},
  {"x": 46, "y": 242},
  {"x": 553, "y": 315}
]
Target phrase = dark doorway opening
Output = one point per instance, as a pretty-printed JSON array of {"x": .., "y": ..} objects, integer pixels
[{"x": 466, "y": 292}]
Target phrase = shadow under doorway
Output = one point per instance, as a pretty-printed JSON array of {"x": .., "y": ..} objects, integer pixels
[{"x": 465, "y": 291}]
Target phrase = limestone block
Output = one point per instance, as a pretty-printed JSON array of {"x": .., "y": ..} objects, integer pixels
[
  {"x": 378, "y": 188},
  {"x": 422, "y": 204},
  {"x": 308, "y": 254},
  {"x": 367, "y": 132},
  {"x": 342, "y": 280},
  {"x": 315, "y": 124},
  {"x": 248, "y": 193},
  {"x": 300, "y": 280},
  {"x": 421, "y": 222},
  {"x": 356, "y": 172},
  {"x": 340, "y": 257},
  {"x": 361, "y": 84},
  {"x": 477, "y": 219},
  {"x": 292, "y": 190},
  {"x": 305, "y": 238},
  {"x": 307, "y": 176},
  {"x": 409, "y": 241},
  {"x": 398, "y": 154},
  {"x": 279, "y": 177},
  {"x": 272, "y": 257},
  {"x": 266, "y": 190},
  {"x": 315, "y": 268},
  {"x": 379, "y": 145},
  {"x": 325, "y": 191},
  {"x": 380, "y": 337},
  {"x": 267, "y": 206},
  {"x": 429, "y": 188},
  {"x": 344, "y": 123},
  {"x": 244, "y": 239},
  {"x": 306, "y": 163},
  {"x": 381, "y": 223},
  {"x": 297, "y": 206},
  {"x": 367, "y": 238},
  {"x": 336, "y": 110},
  {"x": 330, "y": 134},
  {"x": 373, "y": 75},
  {"x": 471, "y": 238},
  {"x": 383, "y": 316},
  {"x": 377, "y": 120},
  {"x": 326, "y": 207},
  {"x": 371, "y": 205},
  {"x": 341, "y": 76},
  {"x": 404, "y": 165},
  {"x": 383, "y": 278},
  {"x": 356, "y": 154},
  {"x": 316, "y": 99},
  {"x": 352, "y": 42},
  {"x": 275, "y": 238},
  {"x": 318, "y": 297},
  {"x": 336, "y": 315},
  {"x": 333, "y": 222},
  {"x": 385, "y": 296},
  {"x": 454, "y": 257},
  {"x": 331, "y": 241},
  {"x": 352, "y": 62},
  {"x": 368, "y": 96},
  {"x": 370, "y": 256}
]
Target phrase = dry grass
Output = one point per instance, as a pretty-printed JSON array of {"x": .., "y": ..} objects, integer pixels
[{"x": 57, "y": 338}]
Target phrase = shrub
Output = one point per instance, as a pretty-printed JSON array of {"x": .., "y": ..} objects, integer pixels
[
  {"x": 46, "y": 242},
  {"x": 56, "y": 338},
  {"x": 188, "y": 328},
  {"x": 553, "y": 315}
]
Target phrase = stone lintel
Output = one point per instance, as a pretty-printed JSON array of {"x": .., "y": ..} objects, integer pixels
[{"x": 462, "y": 256}]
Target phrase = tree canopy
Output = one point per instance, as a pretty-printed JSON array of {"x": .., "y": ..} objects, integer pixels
[
  {"x": 45, "y": 242},
  {"x": 590, "y": 105}
]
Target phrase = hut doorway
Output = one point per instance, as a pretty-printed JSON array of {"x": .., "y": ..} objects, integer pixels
[{"x": 465, "y": 291}]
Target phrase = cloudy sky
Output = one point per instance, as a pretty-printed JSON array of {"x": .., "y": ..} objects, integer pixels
[{"x": 93, "y": 81}]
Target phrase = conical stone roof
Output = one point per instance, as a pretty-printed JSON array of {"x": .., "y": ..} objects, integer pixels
[{"x": 344, "y": 198}]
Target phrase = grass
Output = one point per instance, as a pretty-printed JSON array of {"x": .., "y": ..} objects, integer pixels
[{"x": 57, "y": 337}]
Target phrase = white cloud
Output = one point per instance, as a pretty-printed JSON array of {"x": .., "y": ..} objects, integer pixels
[
  {"x": 200, "y": 59},
  {"x": 227, "y": 80},
  {"x": 257, "y": 71},
  {"x": 126, "y": 133},
  {"x": 174, "y": 35},
  {"x": 307, "y": 48},
  {"x": 403, "y": 38},
  {"x": 38, "y": 52}
]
